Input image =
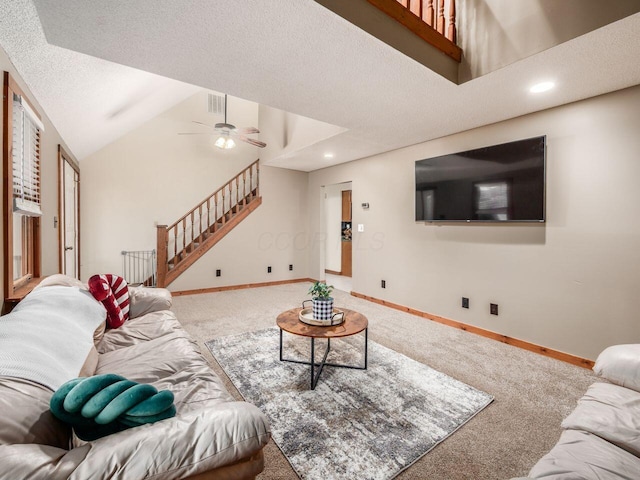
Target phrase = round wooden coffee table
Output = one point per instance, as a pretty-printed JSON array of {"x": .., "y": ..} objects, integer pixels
[{"x": 353, "y": 324}]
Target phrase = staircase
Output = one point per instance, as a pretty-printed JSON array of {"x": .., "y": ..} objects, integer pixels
[{"x": 184, "y": 242}]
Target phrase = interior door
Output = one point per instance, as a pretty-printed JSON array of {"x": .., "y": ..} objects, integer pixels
[{"x": 69, "y": 217}]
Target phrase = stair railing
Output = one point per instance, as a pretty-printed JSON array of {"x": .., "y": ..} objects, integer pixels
[{"x": 176, "y": 241}]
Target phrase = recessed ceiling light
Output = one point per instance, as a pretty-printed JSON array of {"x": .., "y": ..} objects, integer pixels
[
  {"x": 328, "y": 155},
  {"x": 542, "y": 87}
]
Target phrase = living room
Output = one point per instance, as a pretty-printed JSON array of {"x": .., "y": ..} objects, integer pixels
[{"x": 566, "y": 285}]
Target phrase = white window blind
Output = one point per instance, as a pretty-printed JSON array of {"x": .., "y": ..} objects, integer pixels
[{"x": 26, "y": 159}]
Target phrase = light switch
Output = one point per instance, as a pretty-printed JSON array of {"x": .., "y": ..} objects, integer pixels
[{"x": 361, "y": 227}]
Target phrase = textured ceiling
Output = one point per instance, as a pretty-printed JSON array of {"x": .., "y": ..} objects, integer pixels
[
  {"x": 91, "y": 101},
  {"x": 298, "y": 57}
]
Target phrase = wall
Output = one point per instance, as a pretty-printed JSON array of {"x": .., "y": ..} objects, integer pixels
[
  {"x": 570, "y": 284},
  {"x": 48, "y": 176},
  {"x": 333, "y": 225},
  {"x": 154, "y": 176},
  {"x": 496, "y": 33}
]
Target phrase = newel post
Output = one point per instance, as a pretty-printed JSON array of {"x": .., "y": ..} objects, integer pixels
[{"x": 162, "y": 242}]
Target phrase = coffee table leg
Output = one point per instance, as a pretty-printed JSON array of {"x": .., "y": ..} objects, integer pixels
[
  {"x": 280, "y": 344},
  {"x": 313, "y": 361},
  {"x": 366, "y": 345},
  {"x": 315, "y": 376}
]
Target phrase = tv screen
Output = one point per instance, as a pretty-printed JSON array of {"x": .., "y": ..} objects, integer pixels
[{"x": 501, "y": 183}]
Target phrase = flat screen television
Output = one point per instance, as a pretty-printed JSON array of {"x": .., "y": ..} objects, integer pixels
[{"x": 500, "y": 183}]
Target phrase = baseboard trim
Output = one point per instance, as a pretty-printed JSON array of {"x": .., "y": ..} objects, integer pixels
[
  {"x": 333, "y": 272},
  {"x": 532, "y": 347},
  {"x": 198, "y": 291}
]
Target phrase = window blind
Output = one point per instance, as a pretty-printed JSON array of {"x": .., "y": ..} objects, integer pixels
[{"x": 26, "y": 159}]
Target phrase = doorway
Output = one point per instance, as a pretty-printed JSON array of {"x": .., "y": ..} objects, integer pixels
[
  {"x": 338, "y": 227},
  {"x": 69, "y": 214}
]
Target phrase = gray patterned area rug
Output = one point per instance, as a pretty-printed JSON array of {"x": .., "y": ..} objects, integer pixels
[{"x": 365, "y": 424}]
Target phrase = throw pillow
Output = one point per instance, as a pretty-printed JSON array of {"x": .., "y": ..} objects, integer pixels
[
  {"x": 104, "y": 404},
  {"x": 620, "y": 364},
  {"x": 113, "y": 292}
]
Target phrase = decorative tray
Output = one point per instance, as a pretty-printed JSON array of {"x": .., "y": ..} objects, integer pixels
[{"x": 306, "y": 316}]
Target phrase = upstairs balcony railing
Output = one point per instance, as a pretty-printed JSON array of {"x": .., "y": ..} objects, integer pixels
[
  {"x": 432, "y": 20},
  {"x": 432, "y": 12}
]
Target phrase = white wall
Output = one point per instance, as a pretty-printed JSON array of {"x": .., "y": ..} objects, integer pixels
[
  {"x": 48, "y": 176},
  {"x": 153, "y": 175},
  {"x": 333, "y": 225},
  {"x": 496, "y": 33},
  {"x": 570, "y": 284}
]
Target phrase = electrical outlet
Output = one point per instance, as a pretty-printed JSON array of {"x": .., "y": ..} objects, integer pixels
[
  {"x": 493, "y": 308},
  {"x": 383, "y": 283},
  {"x": 290, "y": 267},
  {"x": 268, "y": 269},
  {"x": 465, "y": 302},
  {"x": 218, "y": 273}
]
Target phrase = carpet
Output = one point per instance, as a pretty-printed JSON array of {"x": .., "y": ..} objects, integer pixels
[{"x": 366, "y": 424}]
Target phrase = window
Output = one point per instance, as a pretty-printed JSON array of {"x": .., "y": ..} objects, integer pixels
[{"x": 21, "y": 203}]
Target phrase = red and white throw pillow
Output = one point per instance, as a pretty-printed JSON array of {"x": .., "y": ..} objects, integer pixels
[{"x": 113, "y": 292}]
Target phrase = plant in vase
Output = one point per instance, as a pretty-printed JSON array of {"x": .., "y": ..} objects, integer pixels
[{"x": 322, "y": 300}]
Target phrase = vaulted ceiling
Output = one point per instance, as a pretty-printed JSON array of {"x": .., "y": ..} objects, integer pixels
[{"x": 101, "y": 68}]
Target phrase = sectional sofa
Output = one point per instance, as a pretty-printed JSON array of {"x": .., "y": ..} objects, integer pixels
[{"x": 58, "y": 333}]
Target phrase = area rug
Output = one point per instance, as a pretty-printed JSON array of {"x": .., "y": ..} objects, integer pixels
[{"x": 365, "y": 424}]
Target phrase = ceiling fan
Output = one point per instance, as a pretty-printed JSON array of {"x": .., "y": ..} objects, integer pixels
[{"x": 228, "y": 132}]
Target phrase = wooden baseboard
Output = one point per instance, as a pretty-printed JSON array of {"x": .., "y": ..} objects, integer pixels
[
  {"x": 532, "y": 347},
  {"x": 333, "y": 272},
  {"x": 180, "y": 293}
]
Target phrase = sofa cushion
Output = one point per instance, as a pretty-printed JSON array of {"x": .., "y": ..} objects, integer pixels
[
  {"x": 139, "y": 330},
  {"x": 149, "y": 361},
  {"x": 113, "y": 292},
  {"x": 620, "y": 364},
  {"x": 143, "y": 300},
  {"x": 580, "y": 455},
  {"x": 610, "y": 412},
  {"x": 26, "y": 417}
]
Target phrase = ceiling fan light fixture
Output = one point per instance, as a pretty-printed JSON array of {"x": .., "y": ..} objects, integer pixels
[{"x": 225, "y": 142}]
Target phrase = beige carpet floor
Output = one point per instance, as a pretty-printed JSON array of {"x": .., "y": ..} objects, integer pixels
[{"x": 532, "y": 393}]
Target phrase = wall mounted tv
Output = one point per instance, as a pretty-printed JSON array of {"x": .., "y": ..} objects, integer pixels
[{"x": 501, "y": 183}]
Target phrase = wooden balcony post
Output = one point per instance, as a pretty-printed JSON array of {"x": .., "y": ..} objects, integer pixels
[
  {"x": 440, "y": 27},
  {"x": 416, "y": 7},
  {"x": 162, "y": 241},
  {"x": 427, "y": 13},
  {"x": 451, "y": 31}
]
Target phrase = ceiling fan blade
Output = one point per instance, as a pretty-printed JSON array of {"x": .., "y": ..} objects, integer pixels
[
  {"x": 247, "y": 130},
  {"x": 251, "y": 141},
  {"x": 203, "y": 124}
]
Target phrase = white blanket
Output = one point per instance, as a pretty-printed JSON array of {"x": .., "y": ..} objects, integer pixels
[{"x": 49, "y": 335}]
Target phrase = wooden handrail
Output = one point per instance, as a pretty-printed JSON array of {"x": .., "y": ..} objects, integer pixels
[{"x": 221, "y": 189}]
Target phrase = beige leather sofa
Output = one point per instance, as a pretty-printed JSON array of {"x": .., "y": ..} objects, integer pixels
[
  {"x": 601, "y": 437},
  {"x": 55, "y": 334}
]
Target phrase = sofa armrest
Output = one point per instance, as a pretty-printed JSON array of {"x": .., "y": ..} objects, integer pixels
[
  {"x": 143, "y": 300},
  {"x": 181, "y": 446},
  {"x": 39, "y": 462}
]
